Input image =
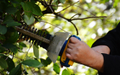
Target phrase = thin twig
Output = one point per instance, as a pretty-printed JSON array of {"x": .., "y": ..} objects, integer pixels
[
  {"x": 75, "y": 27},
  {"x": 89, "y": 17},
  {"x": 69, "y": 20},
  {"x": 68, "y": 6},
  {"x": 54, "y": 26},
  {"x": 50, "y": 2},
  {"x": 75, "y": 15},
  {"x": 28, "y": 50}
]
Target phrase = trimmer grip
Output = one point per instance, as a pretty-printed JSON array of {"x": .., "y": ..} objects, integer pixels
[{"x": 63, "y": 60}]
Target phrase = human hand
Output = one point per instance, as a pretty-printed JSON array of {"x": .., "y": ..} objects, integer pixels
[{"x": 77, "y": 50}]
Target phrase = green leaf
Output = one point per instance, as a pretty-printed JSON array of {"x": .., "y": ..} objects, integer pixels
[
  {"x": 55, "y": 2},
  {"x": 62, "y": 1},
  {"x": 116, "y": 3},
  {"x": 36, "y": 9},
  {"x": 13, "y": 23},
  {"x": 46, "y": 62},
  {"x": 29, "y": 20},
  {"x": 3, "y": 63},
  {"x": 3, "y": 29},
  {"x": 27, "y": 8},
  {"x": 10, "y": 22},
  {"x": 2, "y": 49},
  {"x": 12, "y": 47},
  {"x": 2, "y": 37},
  {"x": 104, "y": 1},
  {"x": 21, "y": 45},
  {"x": 31, "y": 8},
  {"x": 10, "y": 63},
  {"x": 56, "y": 68},
  {"x": 32, "y": 63},
  {"x": 11, "y": 10},
  {"x": 16, "y": 71},
  {"x": 13, "y": 37},
  {"x": 65, "y": 72},
  {"x": 36, "y": 51}
]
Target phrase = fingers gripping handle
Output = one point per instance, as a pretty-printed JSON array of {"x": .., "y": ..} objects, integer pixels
[{"x": 64, "y": 60}]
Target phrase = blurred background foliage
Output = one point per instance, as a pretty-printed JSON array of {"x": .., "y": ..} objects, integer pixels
[{"x": 89, "y": 19}]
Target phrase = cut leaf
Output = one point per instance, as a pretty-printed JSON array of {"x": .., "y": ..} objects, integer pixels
[
  {"x": 56, "y": 68},
  {"x": 3, "y": 63},
  {"x": 36, "y": 51},
  {"x": 32, "y": 63}
]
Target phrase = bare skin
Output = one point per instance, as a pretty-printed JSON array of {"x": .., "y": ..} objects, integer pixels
[{"x": 80, "y": 52}]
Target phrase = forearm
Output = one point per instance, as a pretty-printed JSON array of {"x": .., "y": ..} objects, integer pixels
[
  {"x": 79, "y": 51},
  {"x": 97, "y": 57},
  {"x": 101, "y": 49},
  {"x": 95, "y": 60}
]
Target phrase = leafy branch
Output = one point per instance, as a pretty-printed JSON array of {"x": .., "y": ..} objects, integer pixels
[{"x": 58, "y": 14}]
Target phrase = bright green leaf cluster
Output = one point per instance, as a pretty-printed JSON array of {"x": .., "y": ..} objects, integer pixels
[
  {"x": 56, "y": 68},
  {"x": 32, "y": 63}
]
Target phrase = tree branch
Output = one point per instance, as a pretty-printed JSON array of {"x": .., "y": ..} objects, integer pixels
[
  {"x": 75, "y": 27},
  {"x": 89, "y": 17}
]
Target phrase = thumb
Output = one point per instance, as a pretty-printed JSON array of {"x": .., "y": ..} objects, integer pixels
[{"x": 73, "y": 40}]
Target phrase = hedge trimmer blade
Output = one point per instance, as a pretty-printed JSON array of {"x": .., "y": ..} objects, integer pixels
[{"x": 52, "y": 44}]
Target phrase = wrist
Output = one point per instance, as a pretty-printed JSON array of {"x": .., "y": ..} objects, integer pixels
[
  {"x": 97, "y": 61},
  {"x": 94, "y": 60}
]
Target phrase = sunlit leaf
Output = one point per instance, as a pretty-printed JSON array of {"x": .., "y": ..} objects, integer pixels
[
  {"x": 65, "y": 72},
  {"x": 28, "y": 20},
  {"x": 36, "y": 51},
  {"x": 3, "y": 63},
  {"x": 116, "y": 3},
  {"x": 56, "y": 68},
  {"x": 32, "y": 63}
]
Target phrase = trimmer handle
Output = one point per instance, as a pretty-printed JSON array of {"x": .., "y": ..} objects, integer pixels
[{"x": 63, "y": 59}]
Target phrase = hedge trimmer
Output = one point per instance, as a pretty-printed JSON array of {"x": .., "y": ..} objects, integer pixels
[{"x": 55, "y": 45}]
